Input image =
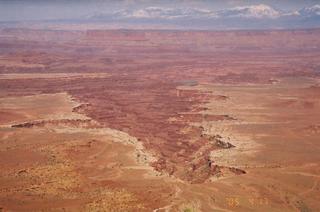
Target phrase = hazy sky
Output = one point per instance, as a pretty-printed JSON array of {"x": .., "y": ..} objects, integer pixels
[{"x": 13, "y": 10}]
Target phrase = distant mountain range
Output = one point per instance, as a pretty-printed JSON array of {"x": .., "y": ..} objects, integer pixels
[{"x": 245, "y": 17}]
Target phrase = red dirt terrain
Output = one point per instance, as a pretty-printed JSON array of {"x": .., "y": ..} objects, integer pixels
[{"x": 183, "y": 96}]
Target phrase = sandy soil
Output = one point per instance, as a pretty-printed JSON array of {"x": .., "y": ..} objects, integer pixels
[{"x": 71, "y": 167}]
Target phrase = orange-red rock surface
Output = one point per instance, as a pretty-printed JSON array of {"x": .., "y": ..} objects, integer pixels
[{"x": 143, "y": 93}]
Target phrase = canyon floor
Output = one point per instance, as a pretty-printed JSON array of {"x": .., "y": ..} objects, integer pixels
[{"x": 124, "y": 120}]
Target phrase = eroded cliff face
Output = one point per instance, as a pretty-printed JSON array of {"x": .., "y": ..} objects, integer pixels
[{"x": 141, "y": 96}]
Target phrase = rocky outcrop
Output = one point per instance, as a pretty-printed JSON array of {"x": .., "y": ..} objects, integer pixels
[
  {"x": 80, "y": 108},
  {"x": 223, "y": 144},
  {"x": 84, "y": 123},
  {"x": 219, "y": 141}
]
